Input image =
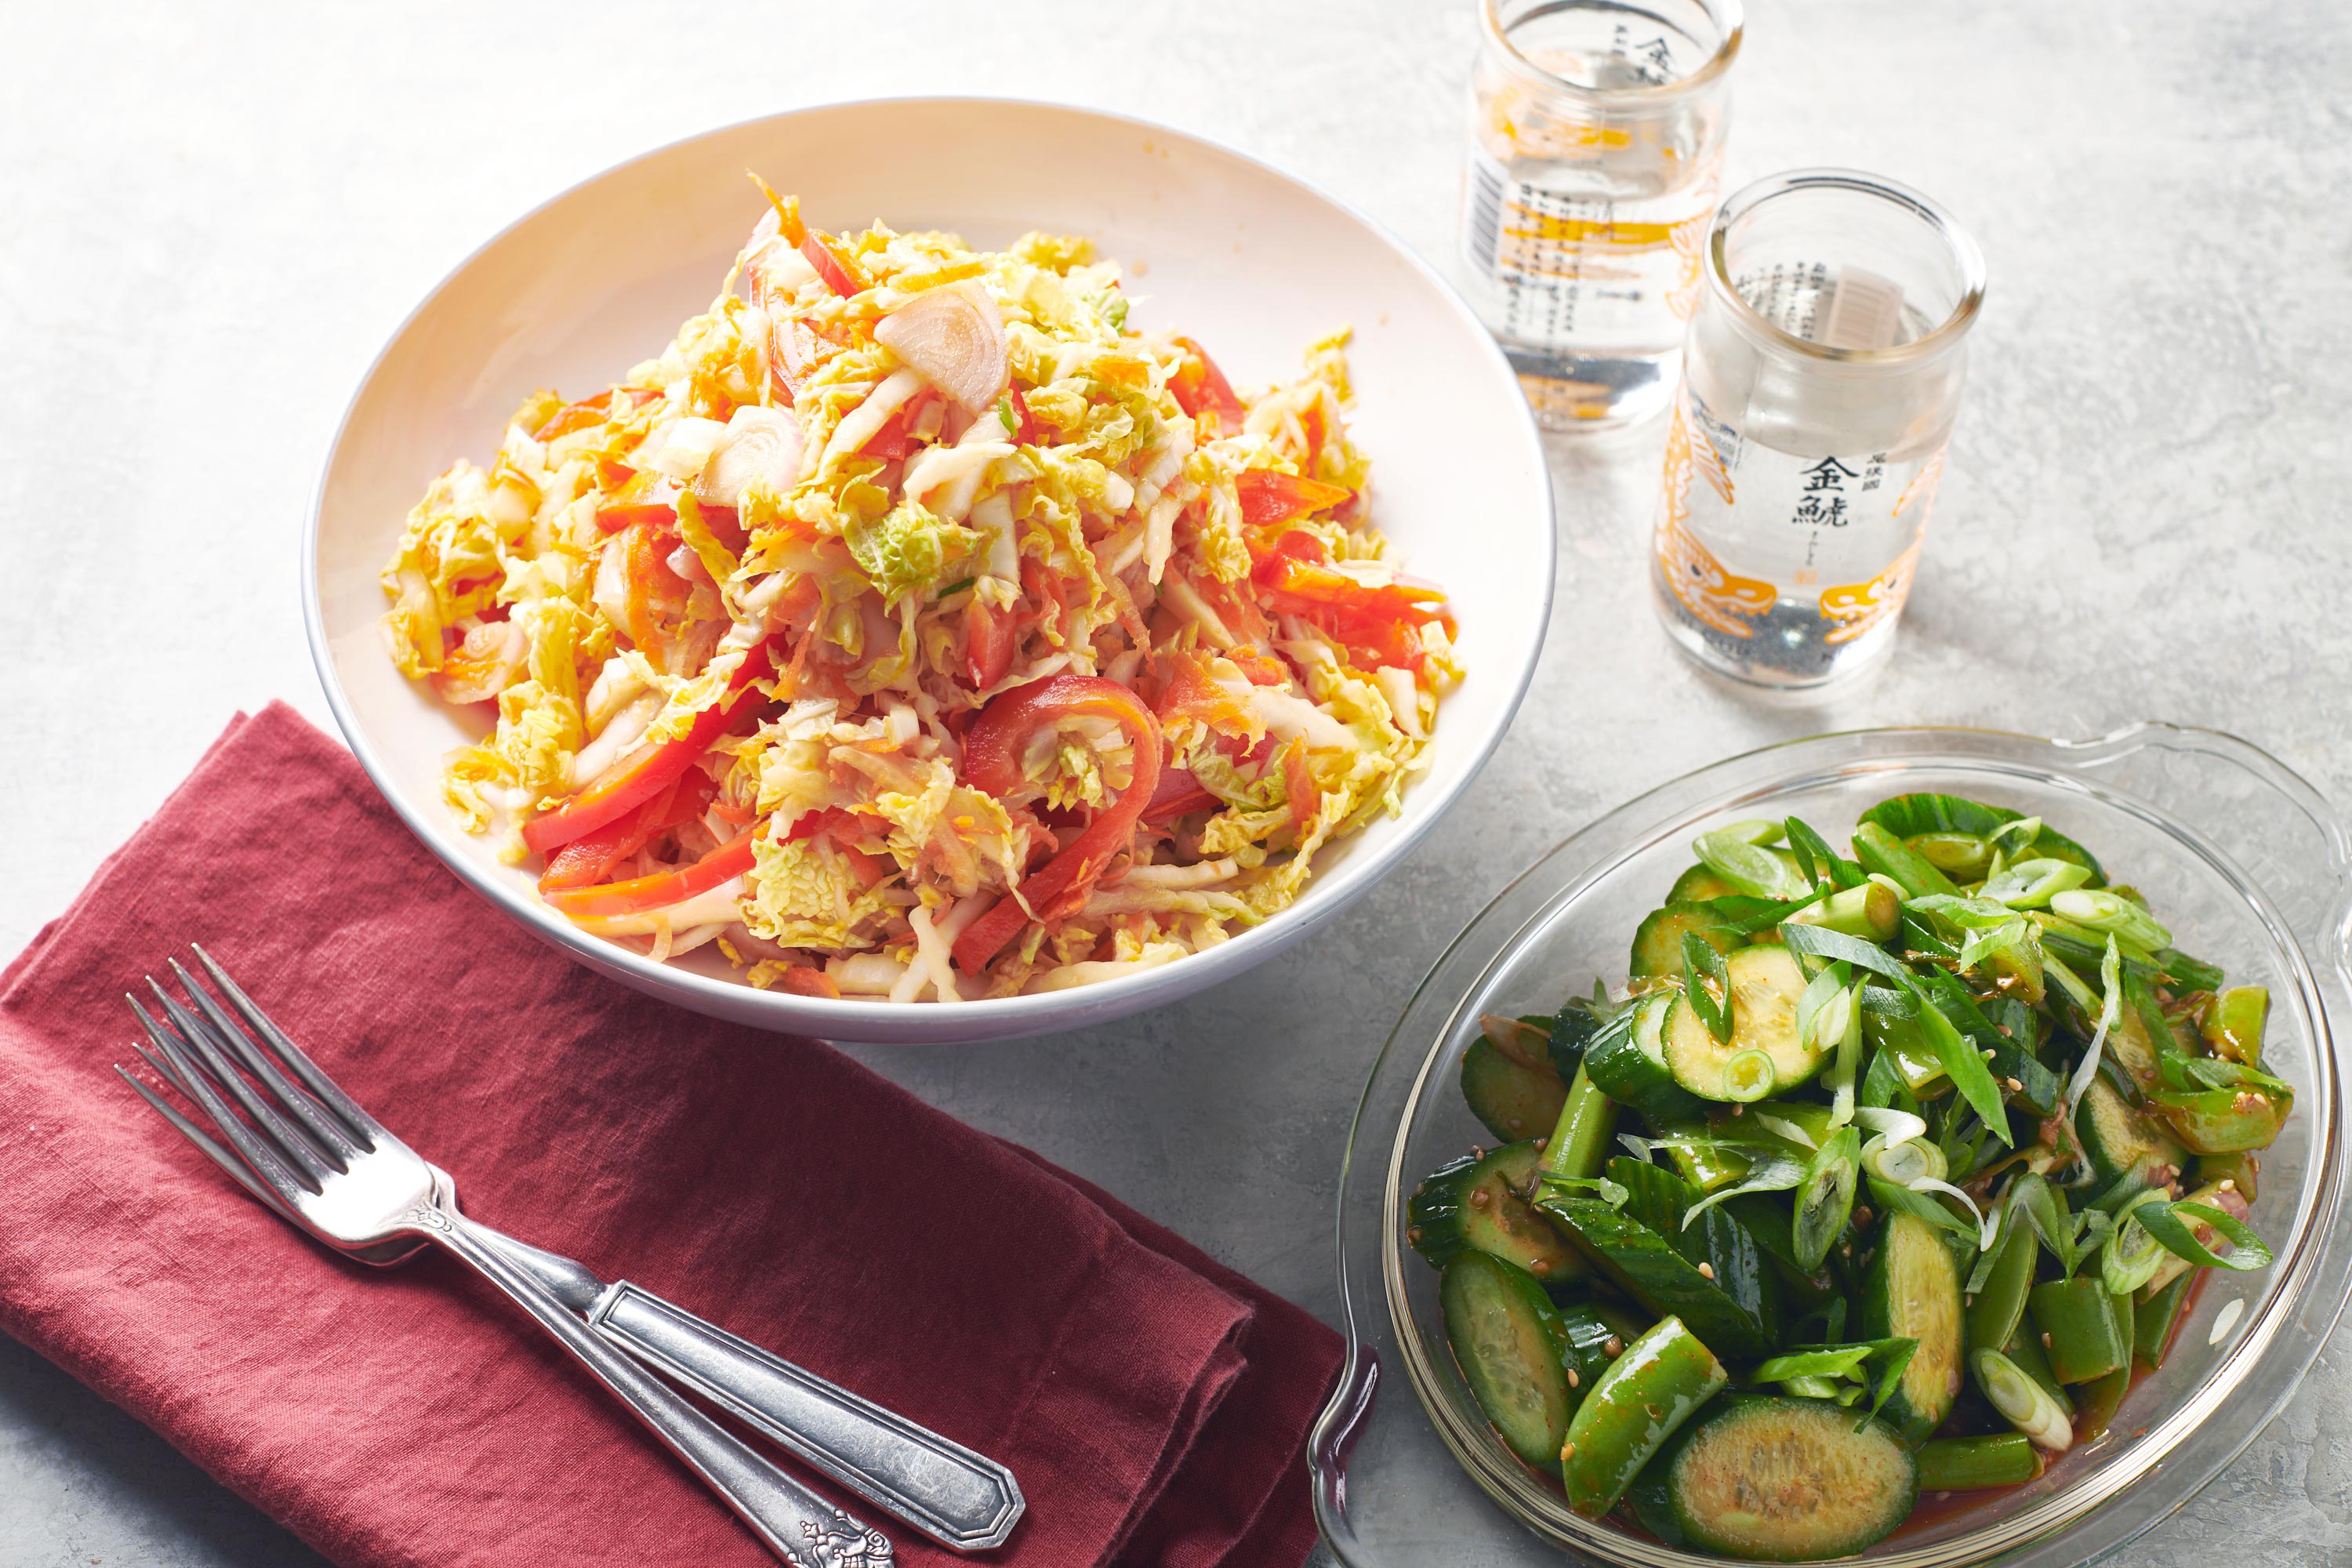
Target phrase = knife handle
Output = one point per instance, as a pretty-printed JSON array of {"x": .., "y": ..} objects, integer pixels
[{"x": 956, "y": 1497}]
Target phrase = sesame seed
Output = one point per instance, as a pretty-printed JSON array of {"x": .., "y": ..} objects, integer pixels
[
  {"x": 1567, "y": 1452},
  {"x": 1612, "y": 1347},
  {"x": 2045, "y": 1342},
  {"x": 1706, "y": 1270},
  {"x": 1539, "y": 1267},
  {"x": 1480, "y": 1198},
  {"x": 2229, "y": 1184},
  {"x": 1573, "y": 1379}
]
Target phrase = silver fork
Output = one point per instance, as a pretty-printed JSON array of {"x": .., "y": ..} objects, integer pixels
[
  {"x": 962, "y": 1499},
  {"x": 337, "y": 1173}
]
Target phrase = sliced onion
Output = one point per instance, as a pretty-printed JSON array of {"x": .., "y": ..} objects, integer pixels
[
  {"x": 770, "y": 267},
  {"x": 762, "y": 448},
  {"x": 485, "y": 664},
  {"x": 682, "y": 450},
  {"x": 954, "y": 337}
]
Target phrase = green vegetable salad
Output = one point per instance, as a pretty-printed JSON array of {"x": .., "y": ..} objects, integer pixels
[{"x": 1878, "y": 1176}]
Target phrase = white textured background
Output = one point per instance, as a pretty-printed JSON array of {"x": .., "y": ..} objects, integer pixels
[{"x": 211, "y": 215}]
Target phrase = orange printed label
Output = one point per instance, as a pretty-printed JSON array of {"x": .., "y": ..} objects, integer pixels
[
  {"x": 1858, "y": 606},
  {"x": 1701, "y": 583}
]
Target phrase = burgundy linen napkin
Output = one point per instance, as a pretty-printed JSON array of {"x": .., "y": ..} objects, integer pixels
[{"x": 1153, "y": 1405}]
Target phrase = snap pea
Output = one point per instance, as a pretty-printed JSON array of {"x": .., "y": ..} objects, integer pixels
[
  {"x": 1963, "y": 855},
  {"x": 2226, "y": 1120},
  {"x": 2082, "y": 1329},
  {"x": 1965, "y": 1464},
  {"x": 2234, "y": 1029},
  {"x": 1579, "y": 1147},
  {"x": 2025, "y": 1352},
  {"x": 1645, "y": 1396},
  {"x": 2153, "y": 1318},
  {"x": 1994, "y": 1315},
  {"x": 2243, "y": 1170},
  {"x": 2095, "y": 1403},
  {"x": 1881, "y": 852},
  {"x": 1705, "y": 1161}
]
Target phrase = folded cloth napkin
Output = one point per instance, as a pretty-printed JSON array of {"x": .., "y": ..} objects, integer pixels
[{"x": 1153, "y": 1405}]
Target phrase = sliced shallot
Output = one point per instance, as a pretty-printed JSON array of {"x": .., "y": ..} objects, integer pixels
[
  {"x": 762, "y": 448},
  {"x": 954, "y": 337}
]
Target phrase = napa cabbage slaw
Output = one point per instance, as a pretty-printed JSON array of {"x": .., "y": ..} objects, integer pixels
[{"x": 917, "y": 626}]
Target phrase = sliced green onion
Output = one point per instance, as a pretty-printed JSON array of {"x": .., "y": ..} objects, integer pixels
[
  {"x": 1749, "y": 1075},
  {"x": 2164, "y": 1222},
  {"x": 2023, "y": 1403},
  {"x": 2107, "y": 912},
  {"x": 1746, "y": 866},
  {"x": 2032, "y": 884},
  {"x": 1702, "y": 964}
]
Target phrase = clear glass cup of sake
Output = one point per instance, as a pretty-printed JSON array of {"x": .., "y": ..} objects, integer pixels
[
  {"x": 1596, "y": 146},
  {"x": 1820, "y": 385}
]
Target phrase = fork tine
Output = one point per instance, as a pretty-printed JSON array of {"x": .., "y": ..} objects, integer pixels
[
  {"x": 260, "y": 1157},
  {"x": 334, "y": 1139},
  {"x": 366, "y": 1128},
  {"x": 195, "y": 1134},
  {"x": 292, "y": 1145}
]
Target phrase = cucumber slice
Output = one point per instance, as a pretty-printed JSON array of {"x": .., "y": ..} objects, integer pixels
[
  {"x": 1503, "y": 1331},
  {"x": 1733, "y": 1307},
  {"x": 2120, "y": 1142},
  {"x": 1627, "y": 1062},
  {"x": 1764, "y": 1055},
  {"x": 1913, "y": 1291},
  {"x": 1698, "y": 885},
  {"x": 1658, "y": 941},
  {"x": 1515, "y": 1100},
  {"x": 1788, "y": 1480},
  {"x": 1478, "y": 1204}
]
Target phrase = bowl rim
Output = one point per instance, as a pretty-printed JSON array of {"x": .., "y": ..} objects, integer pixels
[
  {"x": 1005, "y": 1016},
  {"x": 2291, "y": 1322}
]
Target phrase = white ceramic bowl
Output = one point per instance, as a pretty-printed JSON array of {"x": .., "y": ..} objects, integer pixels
[{"x": 1246, "y": 260}]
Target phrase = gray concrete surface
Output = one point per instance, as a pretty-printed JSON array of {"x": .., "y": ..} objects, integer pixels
[{"x": 215, "y": 216}]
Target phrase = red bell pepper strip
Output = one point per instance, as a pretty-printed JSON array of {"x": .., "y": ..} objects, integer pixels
[
  {"x": 1269, "y": 498},
  {"x": 989, "y": 635},
  {"x": 992, "y": 758},
  {"x": 1029, "y": 434},
  {"x": 619, "y": 790},
  {"x": 896, "y": 440},
  {"x": 663, "y": 888},
  {"x": 1201, "y": 388},
  {"x": 803, "y": 982},
  {"x": 1311, "y": 424},
  {"x": 576, "y": 417},
  {"x": 585, "y": 861},
  {"x": 1306, "y": 799},
  {"x": 1178, "y": 793},
  {"x": 797, "y": 234},
  {"x": 615, "y": 516}
]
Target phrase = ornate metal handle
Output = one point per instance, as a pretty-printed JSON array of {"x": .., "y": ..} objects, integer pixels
[
  {"x": 956, "y": 1497},
  {"x": 799, "y": 1526}
]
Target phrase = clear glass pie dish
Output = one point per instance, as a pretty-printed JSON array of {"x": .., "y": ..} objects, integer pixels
[{"x": 2252, "y": 869}]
